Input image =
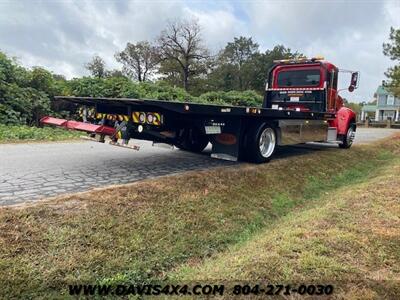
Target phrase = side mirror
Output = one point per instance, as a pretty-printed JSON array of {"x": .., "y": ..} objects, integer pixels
[{"x": 354, "y": 81}]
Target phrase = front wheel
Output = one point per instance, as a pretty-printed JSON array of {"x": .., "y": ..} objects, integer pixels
[
  {"x": 348, "y": 138},
  {"x": 260, "y": 143}
]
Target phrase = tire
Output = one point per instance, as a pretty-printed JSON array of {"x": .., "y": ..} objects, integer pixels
[
  {"x": 192, "y": 140},
  {"x": 261, "y": 143},
  {"x": 348, "y": 138}
]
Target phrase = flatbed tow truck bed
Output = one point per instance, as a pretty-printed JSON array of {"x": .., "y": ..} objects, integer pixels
[
  {"x": 191, "y": 126},
  {"x": 301, "y": 104},
  {"x": 188, "y": 108}
]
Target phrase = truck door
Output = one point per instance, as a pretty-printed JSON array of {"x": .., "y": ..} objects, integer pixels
[{"x": 332, "y": 93}]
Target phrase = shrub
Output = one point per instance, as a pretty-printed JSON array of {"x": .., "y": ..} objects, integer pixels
[
  {"x": 26, "y": 95},
  {"x": 10, "y": 133},
  {"x": 246, "y": 98}
]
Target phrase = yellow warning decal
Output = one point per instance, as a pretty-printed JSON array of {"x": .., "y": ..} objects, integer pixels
[
  {"x": 123, "y": 118},
  {"x": 136, "y": 117},
  {"x": 112, "y": 117}
]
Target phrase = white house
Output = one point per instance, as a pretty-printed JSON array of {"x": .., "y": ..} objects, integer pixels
[{"x": 387, "y": 106}]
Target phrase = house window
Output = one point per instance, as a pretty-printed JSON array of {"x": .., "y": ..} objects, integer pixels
[
  {"x": 390, "y": 100},
  {"x": 382, "y": 100}
]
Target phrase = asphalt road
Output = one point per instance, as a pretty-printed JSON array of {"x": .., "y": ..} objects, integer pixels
[{"x": 33, "y": 171}]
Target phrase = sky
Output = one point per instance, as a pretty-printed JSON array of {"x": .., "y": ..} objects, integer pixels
[{"x": 63, "y": 35}]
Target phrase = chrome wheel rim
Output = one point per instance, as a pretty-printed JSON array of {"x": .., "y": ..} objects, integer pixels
[
  {"x": 350, "y": 136},
  {"x": 267, "y": 142}
]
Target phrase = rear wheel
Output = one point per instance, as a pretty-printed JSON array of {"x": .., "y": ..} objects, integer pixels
[
  {"x": 192, "y": 140},
  {"x": 348, "y": 138},
  {"x": 260, "y": 143}
]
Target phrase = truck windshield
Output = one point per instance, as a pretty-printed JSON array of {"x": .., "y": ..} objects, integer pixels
[{"x": 294, "y": 78}]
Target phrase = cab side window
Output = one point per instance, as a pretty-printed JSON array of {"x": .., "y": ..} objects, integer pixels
[
  {"x": 335, "y": 80},
  {"x": 333, "y": 77}
]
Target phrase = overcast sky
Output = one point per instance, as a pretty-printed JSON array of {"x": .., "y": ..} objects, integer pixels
[{"x": 63, "y": 35}]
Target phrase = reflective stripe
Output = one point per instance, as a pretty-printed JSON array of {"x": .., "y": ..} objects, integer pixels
[
  {"x": 295, "y": 89},
  {"x": 111, "y": 117},
  {"x": 135, "y": 116}
]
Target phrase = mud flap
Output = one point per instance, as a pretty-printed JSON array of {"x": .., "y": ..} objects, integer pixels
[{"x": 226, "y": 145}]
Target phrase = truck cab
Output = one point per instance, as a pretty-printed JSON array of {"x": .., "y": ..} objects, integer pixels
[
  {"x": 304, "y": 85},
  {"x": 311, "y": 85}
]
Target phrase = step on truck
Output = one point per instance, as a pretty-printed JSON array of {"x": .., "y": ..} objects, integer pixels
[{"x": 301, "y": 104}]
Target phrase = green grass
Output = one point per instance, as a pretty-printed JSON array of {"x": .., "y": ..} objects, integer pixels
[
  {"x": 12, "y": 133},
  {"x": 142, "y": 232},
  {"x": 351, "y": 239}
]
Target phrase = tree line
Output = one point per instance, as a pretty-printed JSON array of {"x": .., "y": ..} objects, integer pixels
[
  {"x": 176, "y": 66},
  {"x": 180, "y": 57}
]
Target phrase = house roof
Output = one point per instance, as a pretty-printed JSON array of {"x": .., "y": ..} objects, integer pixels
[{"x": 381, "y": 90}]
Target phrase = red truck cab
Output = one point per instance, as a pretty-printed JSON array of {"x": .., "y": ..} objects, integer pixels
[{"x": 311, "y": 85}]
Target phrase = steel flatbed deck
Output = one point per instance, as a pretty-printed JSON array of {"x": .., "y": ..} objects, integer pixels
[{"x": 125, "y": 105}]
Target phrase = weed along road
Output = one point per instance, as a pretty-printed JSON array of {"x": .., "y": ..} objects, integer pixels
[{"x": 35, "y": 171}]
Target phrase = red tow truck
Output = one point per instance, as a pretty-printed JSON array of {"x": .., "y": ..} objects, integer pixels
[{"x": 301, "y": 104}]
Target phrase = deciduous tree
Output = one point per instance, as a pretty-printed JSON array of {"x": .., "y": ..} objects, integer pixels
[
  {"x": 139, "y": 60},
  {"x": 182, "y": 50},
  {"x": 392, "y": 50},
  {"x": 238, "y": 54},
  {"x": 97, "y": 67},
  {"x": 241, "y": 66},
  {"x": 262, "y": 62}
]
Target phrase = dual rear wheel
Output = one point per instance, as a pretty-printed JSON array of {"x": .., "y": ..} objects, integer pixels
[
  {"x": 192, "y": 140},
  {"x": 258, "y": 146},
  {"x": 260, "y": 143}
]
